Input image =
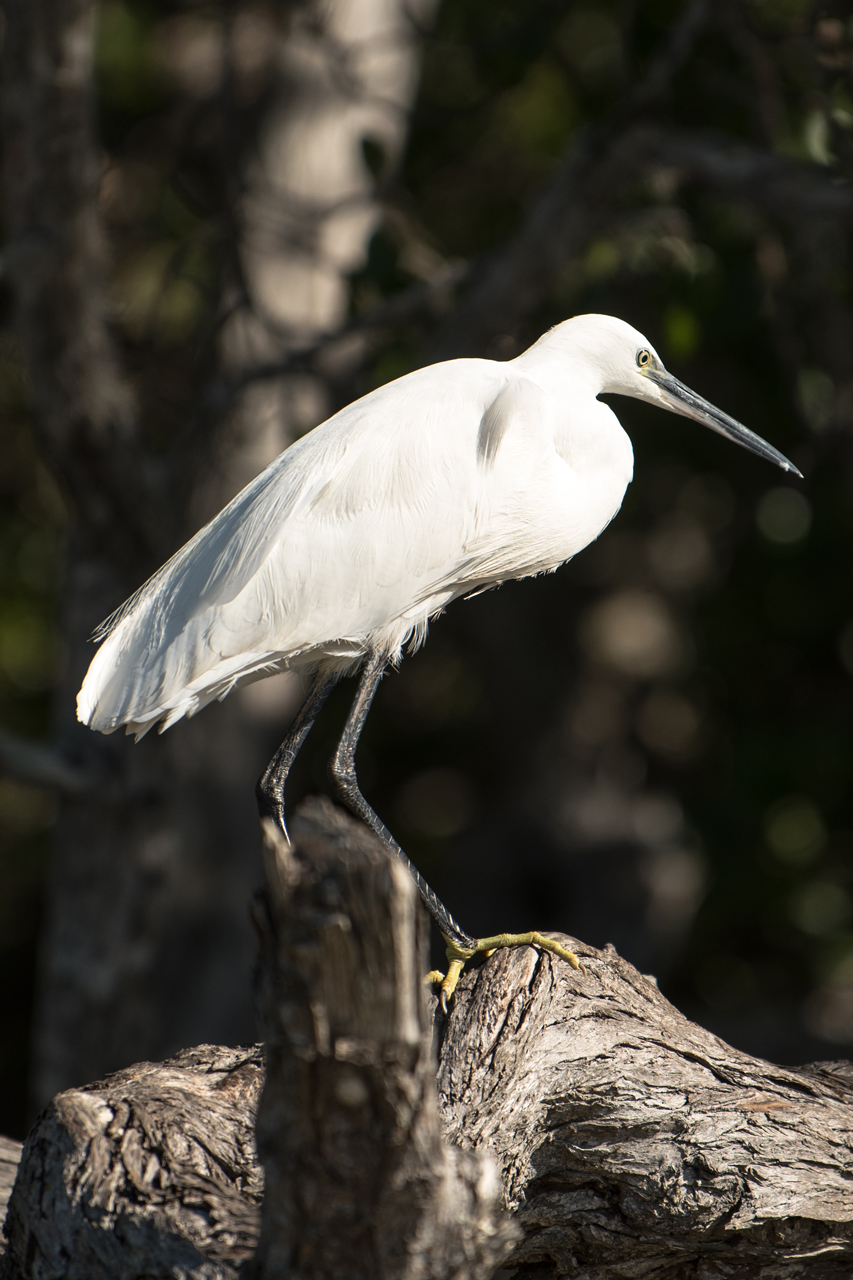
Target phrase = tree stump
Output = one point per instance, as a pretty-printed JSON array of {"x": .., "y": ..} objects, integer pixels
[
  {"x": 151, "y": 1172},
  {"x": 10, "y": 1158},
  {"x": 359, "y": 1181},
  {"x": 628, "y": 1141}
]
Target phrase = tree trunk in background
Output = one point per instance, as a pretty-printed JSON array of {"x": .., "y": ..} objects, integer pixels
[{"x": 147, "y": 944}]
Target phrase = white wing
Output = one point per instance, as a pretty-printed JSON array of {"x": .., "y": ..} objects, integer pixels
[{"x": 348, "y": 540}]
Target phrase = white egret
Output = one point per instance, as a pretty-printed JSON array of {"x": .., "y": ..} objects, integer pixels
[{"x": 445, "y": 482}]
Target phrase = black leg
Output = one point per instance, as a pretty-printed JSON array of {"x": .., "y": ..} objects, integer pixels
[
  {"x": 342, "y": 770},
  {"x": 270, "y": 788}
]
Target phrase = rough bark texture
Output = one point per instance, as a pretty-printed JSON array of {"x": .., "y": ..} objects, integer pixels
[
  {"x": 10, "y": 1158},
  {"x": 151, "y": 1172},
  {"x": 359, "y": 1180},
  {"x": 634, "y": 1143},
  {"x": 630, "y": 1142}
]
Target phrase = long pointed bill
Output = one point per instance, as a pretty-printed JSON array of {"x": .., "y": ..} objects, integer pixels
[{"x": 681, "y": 399}]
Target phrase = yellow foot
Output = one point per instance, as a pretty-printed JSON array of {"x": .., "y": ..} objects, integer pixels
[{"x": 458, "y": 957}]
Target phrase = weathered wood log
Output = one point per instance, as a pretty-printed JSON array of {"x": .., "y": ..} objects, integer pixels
[
  {"x": 633, "y": 1143},
  {"x": 10, "y": 1158},
  {"x": 151, "y": 1172},
  {"x": 630, "y": 1142},
  {"x": 359, "y": 1181}
]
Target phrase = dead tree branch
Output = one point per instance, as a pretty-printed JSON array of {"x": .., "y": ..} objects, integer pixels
[
  {"x": 10, "y": 1158},
  {"x": 633, "y": 1142},
  {"x": 414, "y": 301},
  {"x": 630, "y": 1142},
  {"x": 150, "y": 1172},
  {"x": 359, "y": 1180},
  {"x": 789, "y": 189},
  {"x": 571, "y": 204},
  {"x": 581, "y": 201}
]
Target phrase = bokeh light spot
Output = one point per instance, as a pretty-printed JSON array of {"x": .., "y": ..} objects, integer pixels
[
  {"x": 635, "y": 632},
  {"x": 816, "y": 393},
  {"x": 682, "y": 331},
  {"x": 828, "y": 1012},
  {"x": 669, "y": 724},
  {"x": 821, "y": 907},
  {"x": 795, "y": 830},
  {"x": 784, "y": 516}
]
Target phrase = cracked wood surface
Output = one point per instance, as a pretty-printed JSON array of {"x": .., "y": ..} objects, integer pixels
[
  {"x": 150, "y": 1172},
  {"x": 633, "y": 1142},
  {"x": 359, "y": 1179},
  {"x": 630, "y": 1142},
  {"x": 10, "y": 1157}
]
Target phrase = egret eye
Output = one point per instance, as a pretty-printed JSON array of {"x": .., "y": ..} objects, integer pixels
[{"x": 644, "y": 358}]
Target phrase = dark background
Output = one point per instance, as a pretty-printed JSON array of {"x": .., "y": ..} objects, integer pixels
[{"x": 651, "y": 747}]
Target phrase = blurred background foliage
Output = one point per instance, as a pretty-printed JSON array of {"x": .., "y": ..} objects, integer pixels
[{"x": 652, "y": 747}]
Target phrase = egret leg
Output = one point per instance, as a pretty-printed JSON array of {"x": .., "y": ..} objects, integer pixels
[
  {"x": 270, "y": 787},
  {"x": 460, "y": 946},
  {"x": 342, "y": 770}
]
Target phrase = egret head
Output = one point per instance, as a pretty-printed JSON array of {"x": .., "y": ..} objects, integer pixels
[{"x": 625, "y": 363}]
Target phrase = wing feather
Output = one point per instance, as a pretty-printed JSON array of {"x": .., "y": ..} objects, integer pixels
[
  {"x": 344, "y": 531},
  {"x": 519, "y": 404}
]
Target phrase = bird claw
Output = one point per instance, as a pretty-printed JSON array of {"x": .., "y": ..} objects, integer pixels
[{"x": 458, "y": 957}]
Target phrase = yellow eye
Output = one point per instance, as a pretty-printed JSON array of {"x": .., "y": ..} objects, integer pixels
[{"x": 644, "y": 358}]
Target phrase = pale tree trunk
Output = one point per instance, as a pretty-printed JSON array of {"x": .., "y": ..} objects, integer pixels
[
  {"x": 147, "y": 944},
  {"x": 307, "y": 212}
]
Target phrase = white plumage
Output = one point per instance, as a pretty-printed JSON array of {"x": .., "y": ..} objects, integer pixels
[
  {"x": 449, "y": 480},
  {"x": 445, "y": 482}
]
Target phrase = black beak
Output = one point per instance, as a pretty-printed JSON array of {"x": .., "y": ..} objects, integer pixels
[{"x": 680, "y": 399}]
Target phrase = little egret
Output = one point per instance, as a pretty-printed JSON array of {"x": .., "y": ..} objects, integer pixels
[{"x": 446, "y": 482}]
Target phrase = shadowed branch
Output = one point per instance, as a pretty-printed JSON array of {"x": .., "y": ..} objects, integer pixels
[{"x": 627, "y": 1141}]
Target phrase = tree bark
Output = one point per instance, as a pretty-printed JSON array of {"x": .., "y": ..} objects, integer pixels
[
  {"x": 359, "y": 1181},
  {"x": 629, "y": 1142},
  {"x": 633, "y": 1142},
  {"x": 10, "y": 1158},
  {"x": 150, "y": 1172}
]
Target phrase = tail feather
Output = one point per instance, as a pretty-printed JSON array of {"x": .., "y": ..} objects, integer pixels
[{"x": 132, "y": 685}]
